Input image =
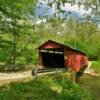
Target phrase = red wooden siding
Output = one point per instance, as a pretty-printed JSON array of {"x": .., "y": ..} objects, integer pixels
[{"x": 76, "y": 61}]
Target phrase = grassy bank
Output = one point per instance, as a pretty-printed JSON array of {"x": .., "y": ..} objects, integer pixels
[
  {"x": 44, "y": 88},
  {"x": 91, "y": 84}
]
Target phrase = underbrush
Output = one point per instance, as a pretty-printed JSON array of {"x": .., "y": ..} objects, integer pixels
[{"x": 44, "y": 88}]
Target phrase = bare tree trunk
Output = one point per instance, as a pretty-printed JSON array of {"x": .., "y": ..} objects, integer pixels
[{"x": 14, "y": 48}]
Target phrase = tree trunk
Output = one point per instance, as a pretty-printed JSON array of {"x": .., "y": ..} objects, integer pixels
[{"x": 14, "y": 48}]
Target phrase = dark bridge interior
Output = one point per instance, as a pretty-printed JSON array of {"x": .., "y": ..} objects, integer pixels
[{"x": 53, "y": 58}]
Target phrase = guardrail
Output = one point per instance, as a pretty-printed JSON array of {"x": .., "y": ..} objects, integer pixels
[
  {"x": 36, "y": 71},
  {"x": 11, "y": 67}
]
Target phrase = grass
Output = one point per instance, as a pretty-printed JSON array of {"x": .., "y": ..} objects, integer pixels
[
  {"x": 91, "y": 84},
  {"x": 44, "y": 88}
]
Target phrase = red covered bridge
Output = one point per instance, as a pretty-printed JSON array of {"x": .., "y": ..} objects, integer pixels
[{"x": 56, "y": 55}]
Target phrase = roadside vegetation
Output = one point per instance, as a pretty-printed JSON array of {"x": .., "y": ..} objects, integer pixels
[{"x": 44, "y": 88}]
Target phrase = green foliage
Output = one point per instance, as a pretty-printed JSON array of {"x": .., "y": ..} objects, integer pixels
[
  {"x": 44, "y": 88},
  {"x": 82, "y": 36},
  {"x": 16, "y": 8},
  {"x": 96, "y": 66},
  {"x": 23, "y": 36},
  {"x": 27, "y": 56},
  {"x": 25, "y": 53},
  {"x": 13, "y": 18},
  {"x": 5, "y": 48}
]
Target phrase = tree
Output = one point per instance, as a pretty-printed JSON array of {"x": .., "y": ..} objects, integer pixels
[
  {"x": 12, "y": 18},
  {"x": 58, "y": 5}
]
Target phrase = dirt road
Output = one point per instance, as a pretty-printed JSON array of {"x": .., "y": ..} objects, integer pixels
[
  {"x": 19, "y": 76},
  {"x": 14, "y": 77}
]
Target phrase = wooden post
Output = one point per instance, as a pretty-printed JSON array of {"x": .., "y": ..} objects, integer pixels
[
  {"x": 73, "y": 76},
  {"x": 35, "y": 73}
]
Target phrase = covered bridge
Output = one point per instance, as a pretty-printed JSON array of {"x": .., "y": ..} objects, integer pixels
[{"x": 55, "y": 55}]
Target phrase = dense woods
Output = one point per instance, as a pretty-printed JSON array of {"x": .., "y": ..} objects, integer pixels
[{"x": 20, "y": 35}]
